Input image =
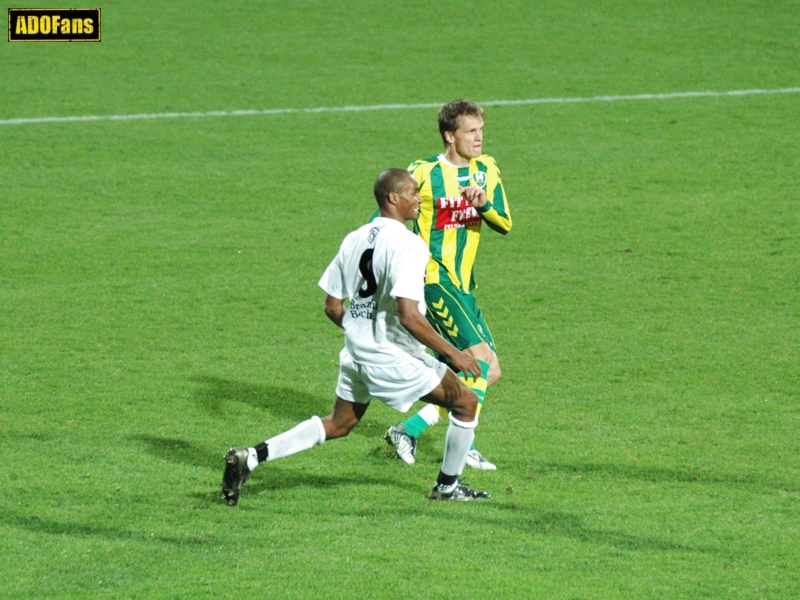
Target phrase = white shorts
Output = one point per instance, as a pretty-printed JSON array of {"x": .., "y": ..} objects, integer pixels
[{"x": 397, "y": 385}]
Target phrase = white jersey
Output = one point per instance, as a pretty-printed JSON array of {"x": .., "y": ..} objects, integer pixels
[{"x": 376, "y": 264}]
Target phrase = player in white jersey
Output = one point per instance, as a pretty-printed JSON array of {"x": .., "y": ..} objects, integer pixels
[{"x": 380, "y": 271}]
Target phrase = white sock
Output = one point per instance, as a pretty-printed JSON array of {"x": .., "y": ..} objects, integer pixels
[
  {"x": 299, "y": 438},
  {"x": 457, "y": 444},
  {"x": 430, "y": 414}
]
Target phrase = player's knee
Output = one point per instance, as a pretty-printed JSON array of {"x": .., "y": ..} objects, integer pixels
[
  {"x": 466, "y": 406},
  {"x": 494, "y": 374},
  {"x": 336, "y": 432},
  {"x": 336, "y": 428}
]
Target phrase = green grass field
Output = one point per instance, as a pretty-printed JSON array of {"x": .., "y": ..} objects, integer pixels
[{"x": 159, "y": 302}]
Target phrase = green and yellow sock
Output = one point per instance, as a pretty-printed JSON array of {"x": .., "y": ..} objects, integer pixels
[{"x": 477, "y": 385}]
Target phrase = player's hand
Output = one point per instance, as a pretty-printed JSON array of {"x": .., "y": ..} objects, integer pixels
[
  {"x": 461, "y": 361},
  {"x": 473, "y": 194}
]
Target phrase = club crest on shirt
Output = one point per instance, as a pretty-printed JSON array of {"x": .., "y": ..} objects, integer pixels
[
  {"x": 455, "y": 213},
  {"x": 479, "y": 177}
]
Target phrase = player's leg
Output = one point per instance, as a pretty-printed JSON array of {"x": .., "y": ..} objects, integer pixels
[
  {"x": 487, "y": 358},
  {"x": 485, "y": 353},
  {"x": 450, "y": 317},
  {"x": 344, "y": 416},
  {"x": 398, "y": 386},
  {"x": 351, "y": 403},
  {"x": 457, "y": 318},
  {"x": 240, "y": 462},
  {"x": 403, "y": 436},
  {"x": 430, "y": 414},
  {"x": 462, "y": 404}
]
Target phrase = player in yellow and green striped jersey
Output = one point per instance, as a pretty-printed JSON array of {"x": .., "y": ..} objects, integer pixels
[{"x": 461, "y": 191}]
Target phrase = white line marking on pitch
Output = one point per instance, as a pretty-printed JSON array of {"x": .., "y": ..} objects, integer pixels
[{"x": 281, "y": 111}]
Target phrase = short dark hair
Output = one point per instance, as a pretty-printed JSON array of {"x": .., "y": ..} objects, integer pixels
[
  {"x": 389, "y": 180},
  {"x": 450, "y": 113}
]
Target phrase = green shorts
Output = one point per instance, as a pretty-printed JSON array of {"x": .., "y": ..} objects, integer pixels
[{"x": 456, "y": 316}]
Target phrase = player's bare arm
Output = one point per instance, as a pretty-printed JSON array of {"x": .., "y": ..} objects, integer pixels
[
  {"x": 418, "y": 326},
  {"x": 334, "y": 309}
]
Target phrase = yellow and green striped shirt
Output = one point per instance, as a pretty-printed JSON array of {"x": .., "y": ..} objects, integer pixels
[{"x": 449, "y": 225}]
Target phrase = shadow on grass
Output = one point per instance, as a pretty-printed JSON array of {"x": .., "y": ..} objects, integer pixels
[
  {"x": 501, "y": 516},
  {"x": 662, "y": 475},
  {"x": 187, "y": 453},
  {"x": 570, "y": 526},
  {"x": 43, "y": 525},
  {"x": 214, "y": 392},
  {"x": 530, "y": 521},
  {"x": 182, "y": 452},
  {"x": 274, "y": 480}
]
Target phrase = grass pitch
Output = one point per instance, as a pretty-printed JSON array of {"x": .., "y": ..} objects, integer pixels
[{"x": 158, "y": 303}]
